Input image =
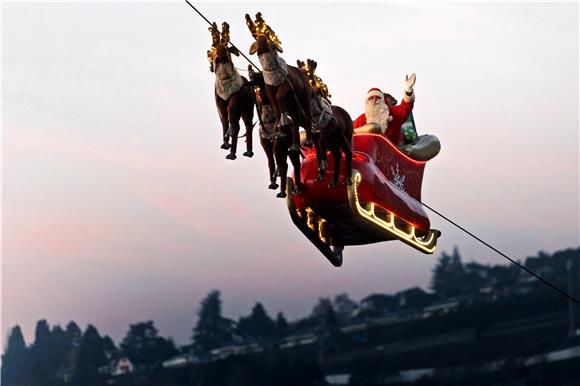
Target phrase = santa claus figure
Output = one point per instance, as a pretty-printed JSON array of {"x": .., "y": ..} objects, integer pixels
[{"x": 383, "y": 115}]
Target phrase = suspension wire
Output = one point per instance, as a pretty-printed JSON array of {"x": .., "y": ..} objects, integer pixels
[
  {"x": 232, "y": 44},
  {"x": 546, "y": 282},
  {"x": 563, "y": 293}
]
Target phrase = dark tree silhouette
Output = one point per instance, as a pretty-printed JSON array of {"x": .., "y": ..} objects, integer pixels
[
  {"x": 257, "y": 325},
  {"x": 281, "y": 325},
  {"x": 91, "y": 357},
  {"x": 143, "y": 345},
  {"x": 111, "y": 350},
  {"x": 74, "y": 334},
  {"x": 448, "y": 275},
  {"x": 323, "y": 311},
  {"x": 15, "y": 362},
  {"x": 212, "y": 330},
  {"x": 44, "y": 363},
  {"x": 344, "y": 307}
]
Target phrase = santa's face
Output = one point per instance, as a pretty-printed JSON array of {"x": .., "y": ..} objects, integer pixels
[{"x": 377, "y": 111}]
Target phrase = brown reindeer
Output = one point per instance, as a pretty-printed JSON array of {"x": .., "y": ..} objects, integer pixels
[
  {"x": 332, "y": 127},
  {"x": 278, "y": 144},
  {"x": 286, "y": 86},
  {"x": 233, "y": 94},
  {"x": 267, "y": 120}
]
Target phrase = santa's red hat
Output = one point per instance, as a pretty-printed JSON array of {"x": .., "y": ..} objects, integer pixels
[{"x": 374, "y": 92}]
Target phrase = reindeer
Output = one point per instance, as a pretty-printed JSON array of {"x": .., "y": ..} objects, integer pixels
[
  {"x": 276, "y": 144},
  {"x": 233, "y": 94},
  {"x": 332, "y": 127},
  {"x": 286, "y": 86},
  {"x": 267, "y": 123}
]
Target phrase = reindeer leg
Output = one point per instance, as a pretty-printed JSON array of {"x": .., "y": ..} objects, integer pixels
[
  {"x": 234, "y": 118},
  {"x": 337, "y": 155},
  {"x": 271, "y": 93},
  {"x": 268, "y": 147},
  {"x": 295, "y": 159},
  {"x": 280, "y": 149},
  {"x": 321, "y": 145},
  {"x": 307, "y": 112},
  {"x": 295, "y": 148},
  {"x": 247, "y": 118},
  {"x": 222, "y": 107},
  {"x": 281, "y": 94},
  {"x": 282, "y": 172}
]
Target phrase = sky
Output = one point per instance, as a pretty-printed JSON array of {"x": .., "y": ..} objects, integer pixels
[{"x": 118, "y": 205}]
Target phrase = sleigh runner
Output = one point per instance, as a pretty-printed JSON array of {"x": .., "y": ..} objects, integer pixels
[{"x": 381, "y": 204}]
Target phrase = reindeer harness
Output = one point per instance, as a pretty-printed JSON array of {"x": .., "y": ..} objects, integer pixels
[
  {"x": 274, "y": 68},
  {"x": 227, "y": 81}
]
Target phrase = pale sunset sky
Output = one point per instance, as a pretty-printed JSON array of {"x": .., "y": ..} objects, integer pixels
[{"x": 118, "y": 205}]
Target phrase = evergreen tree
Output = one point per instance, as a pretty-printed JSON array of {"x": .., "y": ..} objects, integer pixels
[
  {"x": 144, "y": 347},
  {"x": 73, "y": 333},
  {"x": 111, "y": 351},
  {"x": 324, "y": 312},
  {"x": 257, "y": 325},
  {"x": 61, "y": 348},
  {"x": 448, "y": 275},
  {"x": 281, "y": 325},
  {"x": 14, "y": 361},
  {"x": 91, "y": 357},
  {"x": 44, "y": 363},
  {"x": 212, "y": 330}
]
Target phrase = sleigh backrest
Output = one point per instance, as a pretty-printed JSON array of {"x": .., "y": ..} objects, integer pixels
[{"x": 404, "y": 172}]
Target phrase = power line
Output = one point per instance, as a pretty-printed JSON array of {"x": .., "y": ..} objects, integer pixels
[
  {"x": 546, "y": 282},
  {"x": 555, "y": 288},
  {"x": 232, "y": 44}
]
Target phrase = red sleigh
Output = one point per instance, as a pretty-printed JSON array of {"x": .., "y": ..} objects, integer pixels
[{"x": 381, "y": 204}]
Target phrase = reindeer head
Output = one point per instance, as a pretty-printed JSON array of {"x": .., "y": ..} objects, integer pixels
[
  {"x": 220, "y": 53},
  {"x": 266, "y": 38},
  {"x": 315, "y": 82}
]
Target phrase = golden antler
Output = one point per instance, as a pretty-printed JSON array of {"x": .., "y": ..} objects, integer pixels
[
  {"x": 316, "y": 83},
  {"x": 215, "y": 34},
  {"x": 259, "y": 27},
  {"x": 215, "y": 40},
  {"x": 225, "y": 33}
]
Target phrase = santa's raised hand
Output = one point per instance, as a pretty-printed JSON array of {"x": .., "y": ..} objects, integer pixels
[{"x": 410, "y": 82}]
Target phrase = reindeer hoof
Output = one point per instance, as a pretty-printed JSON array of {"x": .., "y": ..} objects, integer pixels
[
  {"x": 225, "y": 146},
  {"x": 333, "y": 185},
  {"x": 281, "y": 195},
  {"x": 249, "y": 154},
  {"x": 231, "y": 156},
  {"x": 273, "y": 185},
  {"x": 297, "y": 190}
]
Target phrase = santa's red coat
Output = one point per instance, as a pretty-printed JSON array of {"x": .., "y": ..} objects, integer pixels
[{"x": 400, "y": 113}]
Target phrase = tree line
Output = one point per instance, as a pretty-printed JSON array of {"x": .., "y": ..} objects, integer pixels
[{"x": 68, "y": 355}]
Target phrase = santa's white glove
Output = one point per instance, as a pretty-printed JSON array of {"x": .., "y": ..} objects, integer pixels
[{"x": 410, "y": 82}]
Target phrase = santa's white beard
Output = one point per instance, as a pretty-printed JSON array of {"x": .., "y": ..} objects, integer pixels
[{"x": 377, "y": 113}]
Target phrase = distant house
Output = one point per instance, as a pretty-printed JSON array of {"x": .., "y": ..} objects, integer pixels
[
  {"x": 180, "y": 360},
  {"x": 414, "y": 299},
  {"x": 123, "y": 366},
  {"x": 378, "y": 302},
  {"x": 440, "y": 308}
]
